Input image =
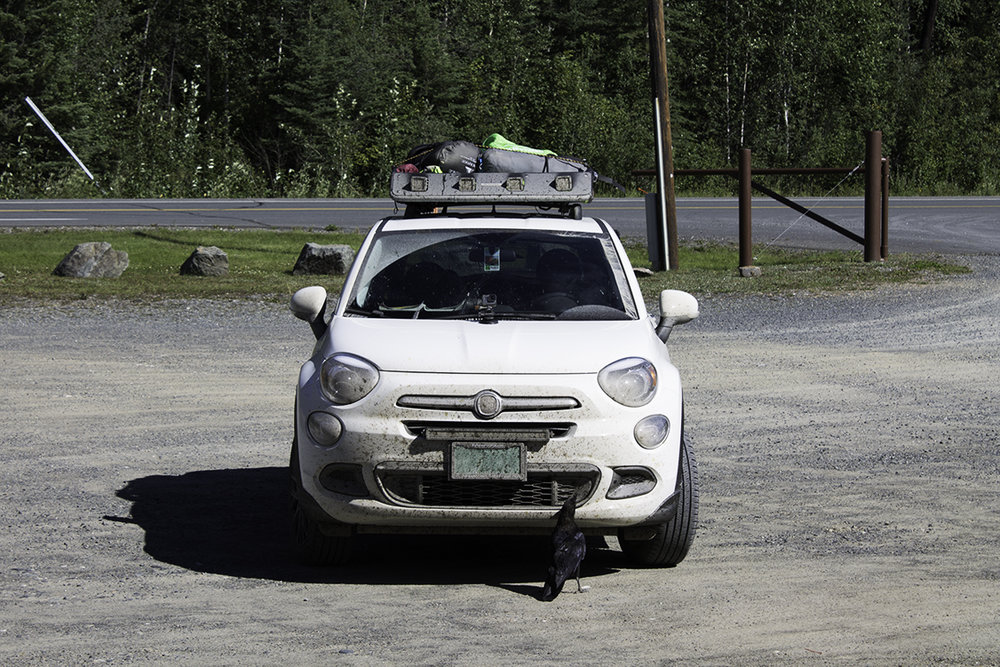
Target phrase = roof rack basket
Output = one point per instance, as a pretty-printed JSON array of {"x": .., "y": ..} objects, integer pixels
[{"x": 424, "y": 192}]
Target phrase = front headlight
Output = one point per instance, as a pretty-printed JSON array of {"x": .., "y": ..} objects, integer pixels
[
  {"x": 346, "y": 379},
  {"x": 630, "y": 381}
]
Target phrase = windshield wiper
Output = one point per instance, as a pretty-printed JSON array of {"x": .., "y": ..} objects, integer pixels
[
  {"x": 357, "y": 310},
  {"x": 527, "y": 316},
  {"x": 493, "y": 316}
]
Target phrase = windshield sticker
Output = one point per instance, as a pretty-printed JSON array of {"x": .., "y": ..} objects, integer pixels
[{"x": 491, "y": 259}]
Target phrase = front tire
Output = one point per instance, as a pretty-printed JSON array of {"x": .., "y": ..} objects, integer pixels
[
  {"x": 671, "y": 540},
  {"x": 312, "y": 546}
]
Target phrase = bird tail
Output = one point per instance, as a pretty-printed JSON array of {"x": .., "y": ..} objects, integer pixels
[{"x": 552, "y": 588}]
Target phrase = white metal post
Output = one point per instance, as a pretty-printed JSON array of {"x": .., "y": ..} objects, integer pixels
[{"x": 57, "y": 136}]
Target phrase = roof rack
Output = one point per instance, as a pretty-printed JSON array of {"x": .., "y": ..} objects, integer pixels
[{"x": 536, "y": 189}]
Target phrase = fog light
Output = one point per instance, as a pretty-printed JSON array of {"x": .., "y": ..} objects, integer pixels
[
  {"x": 564, "y": 183},
  {"x": 467, "y": 184},
  {"x": 418, "y": 183},
  {"x": 324, "y": 428},
  {"x": 652, "y": 431}
]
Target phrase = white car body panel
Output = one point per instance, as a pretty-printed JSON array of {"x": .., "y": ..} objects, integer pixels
[
  {"x": 458, "y": 346},
  {"x": 461, "y": 358}
]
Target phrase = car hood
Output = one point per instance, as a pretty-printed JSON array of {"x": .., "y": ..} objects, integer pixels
[{"x": 459, "y": 346}]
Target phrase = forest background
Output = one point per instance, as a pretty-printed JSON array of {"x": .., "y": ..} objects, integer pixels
[{"x": 318, "y": 98}]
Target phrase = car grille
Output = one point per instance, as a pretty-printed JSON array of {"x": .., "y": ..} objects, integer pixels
[
  {"x": 531, "y": 433},
  {"x": 432, "y": 488},
  {"x": 488, "y": 404}
]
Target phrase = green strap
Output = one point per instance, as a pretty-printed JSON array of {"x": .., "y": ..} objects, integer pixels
[{"x": 497, "y": 141}]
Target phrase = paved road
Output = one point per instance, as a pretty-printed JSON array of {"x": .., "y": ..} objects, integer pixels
[{"x": 917, "y": 224}]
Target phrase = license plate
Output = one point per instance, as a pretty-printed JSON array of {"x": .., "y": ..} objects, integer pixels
[{"x": 488, "y": 460}]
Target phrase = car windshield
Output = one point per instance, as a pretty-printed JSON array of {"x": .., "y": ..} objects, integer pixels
[{"x": 490, "y": 275}]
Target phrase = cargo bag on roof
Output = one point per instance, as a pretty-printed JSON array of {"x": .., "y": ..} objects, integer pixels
[
  {"x": 503, "y": 160},
  {"x": 497, "y": 155},
  {"x": 502, "y": 155},
  {"x": 460, "y": 156}
]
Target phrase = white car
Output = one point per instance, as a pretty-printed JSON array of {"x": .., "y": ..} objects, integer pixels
[{"x": 480, "y": 368}]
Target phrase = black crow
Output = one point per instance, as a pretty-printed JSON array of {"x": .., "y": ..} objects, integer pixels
[{"x": 569, "y": 546}]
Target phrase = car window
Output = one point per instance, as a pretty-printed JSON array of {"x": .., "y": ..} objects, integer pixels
[{"x": 492, "y": 274}]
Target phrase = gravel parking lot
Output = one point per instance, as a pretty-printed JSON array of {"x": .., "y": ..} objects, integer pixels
[{"x": 848, "y": 451}]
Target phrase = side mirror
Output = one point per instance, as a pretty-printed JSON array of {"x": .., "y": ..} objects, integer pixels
[
  {"x": 309, "y": 304},
  {"x": 676, "y": 307}
]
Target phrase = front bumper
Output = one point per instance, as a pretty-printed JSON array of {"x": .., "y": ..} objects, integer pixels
[{"x": 387, "y": 473}]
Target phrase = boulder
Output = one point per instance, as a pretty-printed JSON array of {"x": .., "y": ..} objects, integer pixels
[
  {"x": 93, "y": 260},
  {"x": 210, "y": 261},
  {"x": 324, "y": 259},
  {"x": 642, "y": 272}
]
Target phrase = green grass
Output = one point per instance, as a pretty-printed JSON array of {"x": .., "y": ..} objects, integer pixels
[
  {"x": 261, "y": 262},
  {"x": 712, "y": 268}
]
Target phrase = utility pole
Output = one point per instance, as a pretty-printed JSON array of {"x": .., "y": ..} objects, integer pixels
[{"x": 666, "y": 200}]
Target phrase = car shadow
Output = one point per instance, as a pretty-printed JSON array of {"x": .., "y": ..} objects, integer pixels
[{"x": 235, "y": 522}]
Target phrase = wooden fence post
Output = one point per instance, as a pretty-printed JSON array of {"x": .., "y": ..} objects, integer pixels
[
  {"x": 873, "y": 196},
  {"x": 746, "y": 206}
]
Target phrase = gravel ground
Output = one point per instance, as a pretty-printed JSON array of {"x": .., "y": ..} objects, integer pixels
[{"x": 848, "y": 451}]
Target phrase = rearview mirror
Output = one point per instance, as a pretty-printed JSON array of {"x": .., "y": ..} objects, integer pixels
[{"x": 676, "y": 307}]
